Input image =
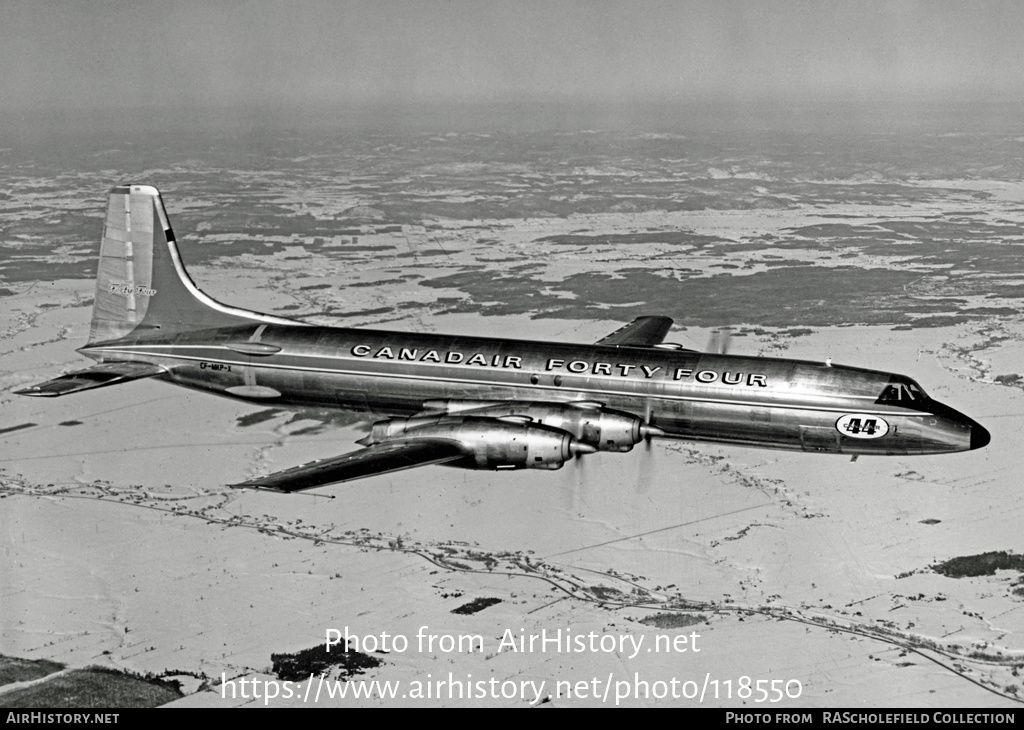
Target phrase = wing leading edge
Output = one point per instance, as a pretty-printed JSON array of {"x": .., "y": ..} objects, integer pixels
[
  {"x": 98, "y": 376},
  {"x": 368, "y": 462},
  {"x": 641, "y": 332}
]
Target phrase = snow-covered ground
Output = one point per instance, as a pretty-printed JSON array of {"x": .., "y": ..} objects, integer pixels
[{"x": 123, "y": 547}]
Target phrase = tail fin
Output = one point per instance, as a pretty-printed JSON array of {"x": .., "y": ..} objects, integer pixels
[{"x": 141, "y": 283}]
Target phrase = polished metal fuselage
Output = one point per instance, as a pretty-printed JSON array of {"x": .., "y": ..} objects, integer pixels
[{"x": 755, "y": 401}]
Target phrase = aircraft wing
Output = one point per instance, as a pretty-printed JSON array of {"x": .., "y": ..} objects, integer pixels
[
  {"x": 98, "y": 376},
  {"x": 641, "y": 332},
  {"x": 368, "y": 462}
]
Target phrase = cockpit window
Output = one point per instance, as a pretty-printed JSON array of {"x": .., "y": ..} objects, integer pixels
[{"x": 903, "y": 391}]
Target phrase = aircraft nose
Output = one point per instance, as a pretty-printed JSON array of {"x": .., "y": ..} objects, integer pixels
[{"x": 979, "y": 436}]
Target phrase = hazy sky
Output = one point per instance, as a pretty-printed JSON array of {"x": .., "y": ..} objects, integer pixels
[{"x": 125, "y": 53}]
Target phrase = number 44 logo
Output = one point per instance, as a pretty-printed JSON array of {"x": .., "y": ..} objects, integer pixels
[{"x": 862, "y": 426}]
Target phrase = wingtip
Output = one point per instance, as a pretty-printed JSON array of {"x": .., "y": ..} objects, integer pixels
[
  {"x": 35, "y": 391},
  {"x": 252, "y": 485},
  {"x": 276, "y": 490}
]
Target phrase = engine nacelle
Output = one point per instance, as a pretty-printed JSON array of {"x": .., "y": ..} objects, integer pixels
[
  {"x": 603, "y": 428},
  {"x": 488, "y": 443},
  {"x": 395, "y": 428}
]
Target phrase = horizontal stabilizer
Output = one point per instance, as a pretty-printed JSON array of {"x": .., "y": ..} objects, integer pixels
[
  {"x": 98, "y": 376},
  {"x": 641, "y": 332},
  {"x": 379, "y": 459}
]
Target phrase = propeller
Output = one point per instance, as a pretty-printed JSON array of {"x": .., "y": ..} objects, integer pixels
[
  {"x": 579, "y": 470},
  {"x": 644, "y": 469},
  {"x": 578, "y": 448},
  {"x": 718, "y": 341},
  {"x": 647, "y": 432},
  {"x": 575, "y": 499}
]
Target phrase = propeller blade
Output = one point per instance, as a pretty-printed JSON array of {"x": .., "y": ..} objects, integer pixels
[
  {"x": 719, "y": 340},
  {"x": 644, "y": 469},
  {"x": 647, "y": 431}
]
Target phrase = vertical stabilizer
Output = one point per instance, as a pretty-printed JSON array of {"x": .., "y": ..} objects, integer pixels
[
  {"x": 124, "y": 276},
  {"x": 141, "y": 283}
]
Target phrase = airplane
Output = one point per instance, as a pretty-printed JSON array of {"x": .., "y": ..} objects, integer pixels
[{"x": 476, "y": 402}]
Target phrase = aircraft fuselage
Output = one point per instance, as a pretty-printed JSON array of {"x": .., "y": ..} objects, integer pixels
[
  {"x": 474, "y": 402},
  {"x": 753, "y": 401}
]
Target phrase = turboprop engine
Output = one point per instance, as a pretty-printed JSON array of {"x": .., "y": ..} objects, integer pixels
[
  {"x": 488, "y": 443},
  {"x": 603, "y": 428}
]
